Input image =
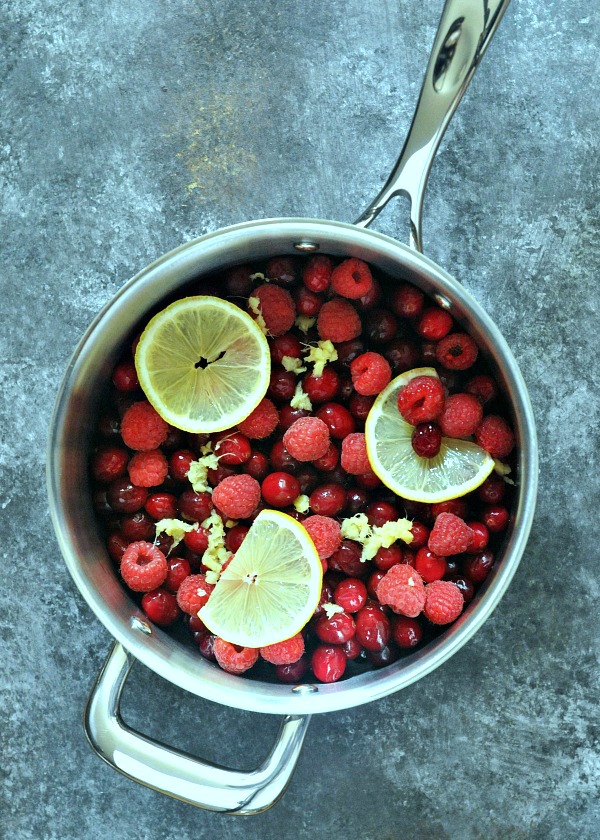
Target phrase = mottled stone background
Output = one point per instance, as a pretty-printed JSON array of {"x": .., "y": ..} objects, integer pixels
[{"x": 128, "y": 128}]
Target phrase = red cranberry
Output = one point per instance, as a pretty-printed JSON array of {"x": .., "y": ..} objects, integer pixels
[
  {"x": 321, "y": 388},
  {"x": 206, "y": 645},
  {"x": 406, "y": 632},
  {"x": 285, "y": 345},
  {"x": 350, "y": 594},
  {"x": 356, "y": 501},
  {"x": 483, "y": 387},
  {"x": 238, "y": 282},
  {"x": 289, "y": 415},
  {"x": 282, "y": 270},
  {"x": 217, "y": 475},
  {"x": 380, "y": 326},
  {"x": 161, "y": 505},
  {"x": 328, "y": 499},
  {"x": 434, "y": 323},
  {"x": 368, "y": 481},
  {"x": 125, "y": 497},
  {"x": 383, "y": 657},
  {"x": 465, "y": 586},
  {"x": 492, "y": 491},
  {"x": 137, "y": 526},
  {"x": 329, "y": 460},
  {"x": 478, "y": 567},
  {"x": 196, "y": 440},
  {"x": 335, "y": 630},
  {"x": 428, "y": 357},
  {"x": 196, "y": 540},
  {"x": 282, "y": 385},
  {"x": 373, "y": 583},
  {"x": 420, "y": 534},
  {"x": 125, "y": 376},
  {"x": 402, "y": 354},
  {"x": 328, "y": 663},
  {"x": 280, "y": 489},
  {"x": 427, "y": 439},
  {"x": 378, "y": 513},
  {"x": 235, "y": 537},
  {"x": 347, "y": 559},
  {"x": 232, "y": 448},
  {"x": 349, "y": 350},
  {"x": 326, "y": 597},
  {"x": 338, "y": 419},
  {"x": 495, "y": 518},
  {"x": 160, "y": 606},
  {"x": 360, "y": 406},
  {"x": 257, "y": 465},
  {"x": 117, "y": 544},
  {"x": 480, "y": 537},
  {"x": 372, "y": 297},
  {"x": 177, "y": 570},
  {"x": 109, "y": 427},
  {"x": 308, "y": 478},
  {"x": 458, "y": 507},
  {"x": 294, "y": 672},
  {"x": 407, "y": 301},
  {"x": 195, "y": 507},
  {"x": 388, "y": 557},
  {"x": 110, "y": 463},
  {"x": 281, "y": 460},
  {"x": 179, "y": 463},
  {"x": 307, "y": 303},
  {"x": 373, "y": 629},
  {"x": 317, "y": 273},
  {"x": 429, "y": 565},
  {"x": 352, "y": 648}
]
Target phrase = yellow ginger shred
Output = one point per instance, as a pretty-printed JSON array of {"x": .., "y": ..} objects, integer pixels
[
  {"x": 300, "y": 399},
  {"x": 216, "y": 554},
  {"x": 301, "y": 503},
  {"x": 175, "y": 528},
  {"x": 198, "y": 471},
  {"x": 503, "y": 470},
  {"x": 372, "y": 538},
  {"x": 304, "y": 323},
  {"x": 332, "y": 609},
  {"x": 295, "y": 365},
  {"x": 320, "y": 354},
  {"x": 254, "y": 304},
  {"x": 259, "y": 276}
]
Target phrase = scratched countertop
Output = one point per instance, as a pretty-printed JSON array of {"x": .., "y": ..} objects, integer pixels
[{"x": 129, "y": 128}]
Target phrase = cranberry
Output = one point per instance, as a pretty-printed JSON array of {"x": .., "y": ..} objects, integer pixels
[
  {"x": 109, "y": 463},
  {"x": 360, "y": 406},
  {"x": 380, "y": 326},
  {"x": 109, "y": 427},
  {"x": 217, "y": 475},
  {"x": 116, "y": 545},
  {"x": 479, "y": 539},
  {"x": 177, "y": 570},
  {"x": 347, "y": 559},
  {"x": 289, "y": 415},
  {"x": 137, "y": 526},
  {"x": 349, "y": 350},
  {"x": 317, "y": 273},
  {"x": 238, "y": 282},
  {"x": 232, "y": 448},
  {"x": 402, "y": 354},
  {"x": 335, "y": 630},
  {"x": 465, "y": 585},
  {"x": 373, "y": 583},
  {"x": 427, "y": 439},
  {"x": 294, "y": 672},
  {"x": 285, "y": 345},
  {"x": 125, "y": 497},
  {"x": 280, "y": 489},
  {"x": 492, "y": 491},
  {"x": 328, "y": 499},
  {"x": 478, "y": 567},
  {"x": 378, "y": 513},
  {"x": 373, "y": 629},
  {"x": 196, "y": 540},
  {"x": 282, "y": 270},
  {"x": 206, "y": 645},
  {"x": 282, "y": 384},
  {"x": 195, "y": 507},
  {"x": 407, "y": 301},
  {"x": 196, "y": 440},
  {"x": 458, "y": 507},
  {"x": 420, "y": 534},
  {"x": 235, "y": 537},
  {"x": 428, "y": 357},
  {"x": 281, "y": 460},
  {"x": 160, "y": 606},
  {"x": 161, "y": 505},
  {"x": 383, "y": 657},
  {"x": 326, "y": 597},
  {"x": 429, "y": 565},
  {"x": 329, "y": 460},
  {"x": 388, "y": 557},
  {"x": 307, "y": 303},
  {"x": 371, "y": 298},
  {"x": 406, "y": 632},
  {"x": 483, "y": 387},
  {"x": 125, "y": 376},
  {"x": 368, "y": 481},
  {"x": 356, "y": 501},
  {"x": 352, "y": 648},
  {"x": 321, "y": 388},
  {"x": 257, "y": 465},
  {"x": 495, "y": 518},
  {"x": 434, "y": 324},
  {"x": 338, "y": 419},
  {"x": 350, "y": 594},
  {"x": 328, "y": 663},
  {"x": 179, "y": 463},
  {"x": 308, "y": 478}
]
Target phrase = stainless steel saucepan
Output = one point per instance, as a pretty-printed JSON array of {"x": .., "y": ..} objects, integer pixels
[{"x": 464, "y": 33}]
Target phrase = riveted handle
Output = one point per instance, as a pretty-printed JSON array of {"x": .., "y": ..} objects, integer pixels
[{"x": 179, "y": 774}]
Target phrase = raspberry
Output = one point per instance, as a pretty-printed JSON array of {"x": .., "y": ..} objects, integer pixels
[
  {"x": 276, "y": 307},
  {"x": 326, "y": 534},
  {"x": 338, "y": 321},
  {"x": 483, "y": 387},
  {"x": 443, "y": 602},
  {"x": 307, "y": 439},
  {"x": 456, "y": 351},
  {"x": 403, "y": 590},
  {"x": 261, "y": 422},
  {"x": 370, "y": 373},
  {"x": 193, "y": 593},
  {"x": 461, "y": 415},
  {"x": 237, "y": 496},
  {"x": 495, "y": 436},
  {"x": 143, "y": 566},
  {"x": 317, "y": 273},
  {"x": 421, "y": 400},
  {"x": 233, "y": 658},
  {"x": 354, "y": 454},
  {"x": 284, "y": 653},
  {"x": 450, "y": 535},
  {"x": 142, "y": 427},
  {"x": 352, "y": 279},
  {"x": 148, "y": 469},
  {"x": 434, "y": 323}
]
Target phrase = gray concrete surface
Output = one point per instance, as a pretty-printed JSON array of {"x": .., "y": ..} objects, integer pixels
[{"x": 128, "y": 128}]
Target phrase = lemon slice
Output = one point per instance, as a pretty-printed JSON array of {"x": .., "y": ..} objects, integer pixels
[
  {"x": 203, "y": 364},
  {"x": 270, "y": 589},
  {"x": 459, "y": 467}
]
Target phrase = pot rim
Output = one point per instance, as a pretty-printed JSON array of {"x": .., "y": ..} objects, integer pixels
[{"x": 153, "y": 646}]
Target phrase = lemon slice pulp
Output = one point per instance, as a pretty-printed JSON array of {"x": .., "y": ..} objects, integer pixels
[
  {"x": 270, "y": 589},
  {"x": 203, "y": 364},
  {"x": 459, "y": 467}
]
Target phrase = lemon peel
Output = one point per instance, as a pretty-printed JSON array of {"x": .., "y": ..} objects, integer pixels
[{"x": 503, "y": 470}]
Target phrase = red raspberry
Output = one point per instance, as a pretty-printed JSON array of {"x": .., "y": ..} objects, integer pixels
[
  {"x": 338, "y": 321},
  {"x": 402, "y": 588},
  {"x": 284, "y": 653},
  {"x": 354, "y": 454},
  {"x": 421, "y": 400},
  {"x": 261, "y": 422},
  {"x": 277, "y": 308},
  {"x": 148, "y": 469},
  {"x": 142, "y": 427},
  {"x": 143, "y": 566},
  {"x": 434, "y": 323},
  {"x": 317, "y": 273},
  {"x": 450, "y": 535},
  {"x": 326, "y": 534},
  {"x": 307, "y": 439},
  {"x": 352, "y": 279},
  {"x": 483, "y": 387},
  {"x": 462, "y": 414},
  {"x": 237, "y": 496},
  {"x": 456, "y": 351},
  {"x": 443, "y": 602},
  {"x": 193, "y": 593},
  {"x": 495, "y": 436},
  {"x": 233, "y": 658},
  {"x": 370, "y": 373}
]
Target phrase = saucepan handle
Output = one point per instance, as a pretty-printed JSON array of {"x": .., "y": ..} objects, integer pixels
[
  {"x": 465, "y": 30},
  {"x": 176, "y": 773}
]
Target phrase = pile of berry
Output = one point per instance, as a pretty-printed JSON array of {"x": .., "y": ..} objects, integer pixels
[{"x": 302, "y": 450}]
